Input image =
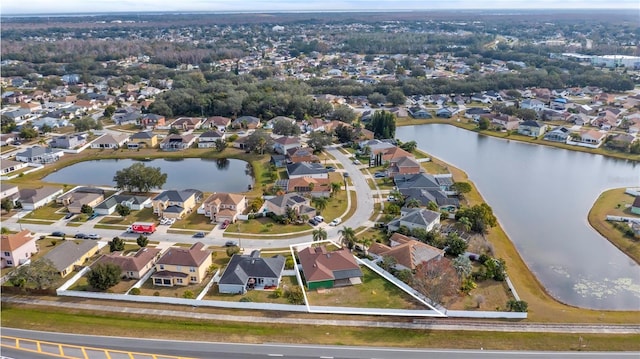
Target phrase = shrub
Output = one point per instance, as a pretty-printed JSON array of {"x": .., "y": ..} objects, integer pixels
[
  {"x": 288, "y": 264},
  {"x": 517, "y": 306},
  {"x": 188, "y": 294},
  {"x": 294, "y": 295},
  {"x": 135, "y": 291},
  {"x": 156, "y": 294},
  {"x": 277, "y": 293},
  {"x": 245, "y": 300}
]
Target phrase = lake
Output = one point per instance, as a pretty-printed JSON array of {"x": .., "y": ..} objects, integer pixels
[
  {"x": 207, "y": 175},
  {"x": 541, "y": 196}
]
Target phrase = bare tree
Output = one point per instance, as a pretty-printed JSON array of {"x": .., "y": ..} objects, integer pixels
[
  {"x": 436, "y": 279},
  {"x": 479, "y": 299}
]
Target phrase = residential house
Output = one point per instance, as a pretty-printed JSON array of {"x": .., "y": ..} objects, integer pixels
[
  {"x": 143, "y": 139},
  {"x": 416, "y": 218},
  {"x": 151, "y": 121},
  {"x": 109, "y": 205},
  {"x": 475, "y": 113},
  {"x": 445, "y": 112},
  {"x": 408, "y": 252},
  {"x": 68, "y": 255},
  {"x": 301, "y": 155},
  {"x": 426, "y": 195},
  {"x": 175, "y": 204},
  {"x": 246, "y": 122},
  {"x": 328, "y": 269},
  {"x": 127, "y": 115},
  {"x": 220, "y": 207},
  {"x": 587, "y": 138},
  {"x": 111, "y": 141},
  {"x": 315, "y": 124},
  {"x": 37, "y": 154},
  {"x": 635, "y": 207},
  {"x": 379, "y": 156},
  {"x": 69, "y": 141},
  {"x": 182, "y": 266},
  {"x": 32, "y": 106},
  {"x": 419, "y": 112},
  {"x": 404, "y": 165},
  {"x": 187, "y": 123},
  {"x": 278, "y": 160},
  {"x": 504, "y": 122},
  {"x": 176, "y": 142},
  {"x": 620, "y": 141},
  {"x": 218, "y": 122},
  {"x": 531, "y": 128},
  {"x": 16, "y": 249},
  {"x": 579, "y": 119},
  {"x": 283, "y": 144},
  {"x": 31, "y": 199},
  {"x": 132, "y": 266},
  {"x": 9, "y": 166},
  {"x": 423, "y": 181},
  {"x": 9, "y": 138},
  {"x": 74, "y": 200},
  {"x": 532, "y": 104},
  {"x": 10, "y": 191},
  {"x": 316, "y": 187},
  {"x": 251, "y": 272},
  {"x": 279, "y": 205},
  {"x": 304, "y": 169},
  {"x": 18, "y": 115},
  {"x": 208, "y": 139},
  {"x": 558, "y": 134}
]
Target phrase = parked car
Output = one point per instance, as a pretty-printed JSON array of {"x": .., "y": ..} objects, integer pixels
[
  {"x": 80, "y": 235},
  {"x": 93, "y": 236},
  {"x": 391, "y": 199},
  {"x": 380, "y": 175},
  {"x": 58, "y": 234},
  {"x": 335, "y": 222},
  {"x": 231, "y": 244},
  {"x": 330, "y": 168},
  {"x": 68, "y": 216},
  {"x": 356, "y": 162},
  {"x": 92, "y": 216},
  {"x": 164, "y": 221},
  {"x": 313, "y": 222},
  {"x": 225, "y": 224},
  {"x": 199, "y": 235},
  {"x": 319, "y": 219}
]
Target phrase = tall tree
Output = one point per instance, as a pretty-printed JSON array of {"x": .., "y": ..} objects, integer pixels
[
  {"x": 319, "y": 235},
  {"x": 436, "y": 279},
  {"x": 343, "y": 113},
  {"x": 318, "y": 140},
  {"x": 139, "y": 178},
  {"x": 142, "y": 240},
  {"x": 455, "y": 245},
  {"x": 116, "y": 244},
  {"x": 40, "y": 273},
  {"x": 320, "y": 203},
  {"x": 336, "y": 187},
  {"x": 348, "y": 237},
  {"x": 383, "y": 125}
]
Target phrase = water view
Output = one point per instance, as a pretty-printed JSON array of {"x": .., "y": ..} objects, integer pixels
[
  {"x": 208, "y": 175},
  {"x": 541, "y": 196}
]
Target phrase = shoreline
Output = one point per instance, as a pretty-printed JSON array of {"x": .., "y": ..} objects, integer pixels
[
  {"x": 452, "y": 122},
  {"x": 543, "y": 306}
]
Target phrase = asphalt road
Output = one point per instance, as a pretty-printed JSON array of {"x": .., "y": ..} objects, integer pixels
[
  {"x": 274, "y": 350},
  {"x": 363, "y": 212}
]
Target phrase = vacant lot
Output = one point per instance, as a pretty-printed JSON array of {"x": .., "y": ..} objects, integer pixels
[
  {"x": 265, "y": 225},
  {"x": 489, "y": 295},
  {"x": 374, "y": 292}
]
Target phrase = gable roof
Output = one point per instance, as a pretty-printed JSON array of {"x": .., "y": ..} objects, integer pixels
[
  {"x": 407, "y": 251},
  {"x": 192, "y": 257},
  {"x": 219, "y": 120},
  {"x": 318, "y": 264},
  {"x": 304, "y": 168},
  {"x": 225, "y": 198},
  {"x": 11, "y": 242},
  {"x": 420, "y": 180},
  {"x": 287, "y": 200},
  {"x": 143, "y": 135},
  {"x": 243, "y": 267},
  {"x": 109, "y": 138},
  {"x": 67, "y": 253},
  {"x": 29, "y": 195},
  {"x": 422, "y": 217},
  {"x": 174, "y": 196}
]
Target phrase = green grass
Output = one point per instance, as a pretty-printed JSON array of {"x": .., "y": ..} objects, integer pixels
[
  {"x": 374, "y": 292},
  {"x": 143, "y": 215},
  {"x": 34, "y": 221},
  {"x": 265, "y": 225},
  {"x": 614, "y": 202},
  {"x": 195, "y": 221},
  {"x": 258, "y": 296},
  {"x": 51, "y": 211},
  {"x": 111, "y": 324}
]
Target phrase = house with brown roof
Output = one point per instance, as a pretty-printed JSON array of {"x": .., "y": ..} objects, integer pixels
[
  {"x": 301, "y": 154},
  {"x": 315, "y": 187},
  {"x": 9, "y": 166},
  {"x": 405, "y": 165},
  {"x": 181, "y": 266},
  {"x": 109, "y": 140},
  {"x": 283, "y": 144},
  {"x": 220, "y": 207},
  {"x": 328, "y": 269},
  {"x": 187, "y": 123},
  {"x": 407, "y": 251},
  {"x": 75, "y": 199},
  {"x": 587, "y": 138},
  {"x": 16, "y": 249},
  {"x": 151, "y": 121},
  {"x": 218, "y": 122},
  {"x": 133, "y": 266}
]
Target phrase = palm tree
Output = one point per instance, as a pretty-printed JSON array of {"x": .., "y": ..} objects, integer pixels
[
  {"x": 335, "y": 188},
  {"x": 413, "y": 203},
  {"x": 291, "y": 214},
  {"x": 319, "y": 235},
  {"x": 320, "y": 203},
  {"x": 348, "y": 236},
  {"x": 464, "y": 224},
  {"x": 366, "y": 243}
]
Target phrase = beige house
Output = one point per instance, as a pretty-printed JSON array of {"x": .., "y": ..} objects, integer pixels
[
  {"x": 135, "y": 266},
  {"x": 76, "y": 199},
  {"x": 69, "y": 254},
  {"x": 181, "y": 266},
  {"x": 175, "y": 204},
  {"x": 17, "y": 248},
  {"x": 222, "y": 207}
]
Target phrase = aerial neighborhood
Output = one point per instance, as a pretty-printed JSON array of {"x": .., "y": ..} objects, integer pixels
[{"x": 256, "y": 166}]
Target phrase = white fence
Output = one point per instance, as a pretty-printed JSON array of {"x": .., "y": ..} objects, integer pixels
[{"x": 485, "y": 314}]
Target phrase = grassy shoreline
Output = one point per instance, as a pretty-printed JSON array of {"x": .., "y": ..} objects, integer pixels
[{"x": 597, "y": 215}]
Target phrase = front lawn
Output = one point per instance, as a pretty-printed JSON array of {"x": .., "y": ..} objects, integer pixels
[
  {"x": 265, "y": 225},
  {"x": 374, "y": 292},
  {"x": 51, "y": 211},
  {"x": 143, "y": 215},
  {"x": 195, "y": 221}
]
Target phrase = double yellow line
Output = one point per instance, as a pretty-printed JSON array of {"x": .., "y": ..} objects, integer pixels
[{"x": 69, "y": 351}]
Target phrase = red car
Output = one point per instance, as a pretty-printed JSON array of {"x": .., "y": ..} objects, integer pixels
[{"x": 225, "y": 224}]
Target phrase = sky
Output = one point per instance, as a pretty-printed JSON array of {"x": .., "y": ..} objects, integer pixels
[{"x": 80, "y": 6}]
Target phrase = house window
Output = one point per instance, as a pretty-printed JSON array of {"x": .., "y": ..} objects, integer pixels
[
  {"x": 10, "y": 263},
  {"x": 192, "y": 269},
  {"x": 194, "y": 279},
  {"x": 7, "y": 254},
  {"x": 166, "y": 282},
  {"x": 157, "y": 281},
  {"x": 161, "y": 266},
  {"x": 179, "y": 280}
]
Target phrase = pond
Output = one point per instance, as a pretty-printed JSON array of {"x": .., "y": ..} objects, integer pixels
[
  {"x": 207, "y": 175},
  {"x": 542, "y": 196}
]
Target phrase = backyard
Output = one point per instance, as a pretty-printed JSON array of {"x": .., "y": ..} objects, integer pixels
[
  {"x": 259, "y": 296},
  {"x": 176, "y": 291},
  {"x": 374, "y": 292}
]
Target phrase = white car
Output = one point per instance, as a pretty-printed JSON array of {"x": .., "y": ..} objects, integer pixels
[
  {"x": 335, "y": 222},
  {"x": 319, "y": 218}
]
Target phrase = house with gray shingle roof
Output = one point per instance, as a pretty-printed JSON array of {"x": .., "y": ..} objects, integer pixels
[
  {"x": 251, "y": 272},
  {"x": 415, "y": 218},
  {"x": 69, "y": 254},
  {"x": 109, "y": 140},
  {"x": 37, "y": 154},
  {"x": 304, "y": 169},
  {"x": 38, "y": 197}
]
